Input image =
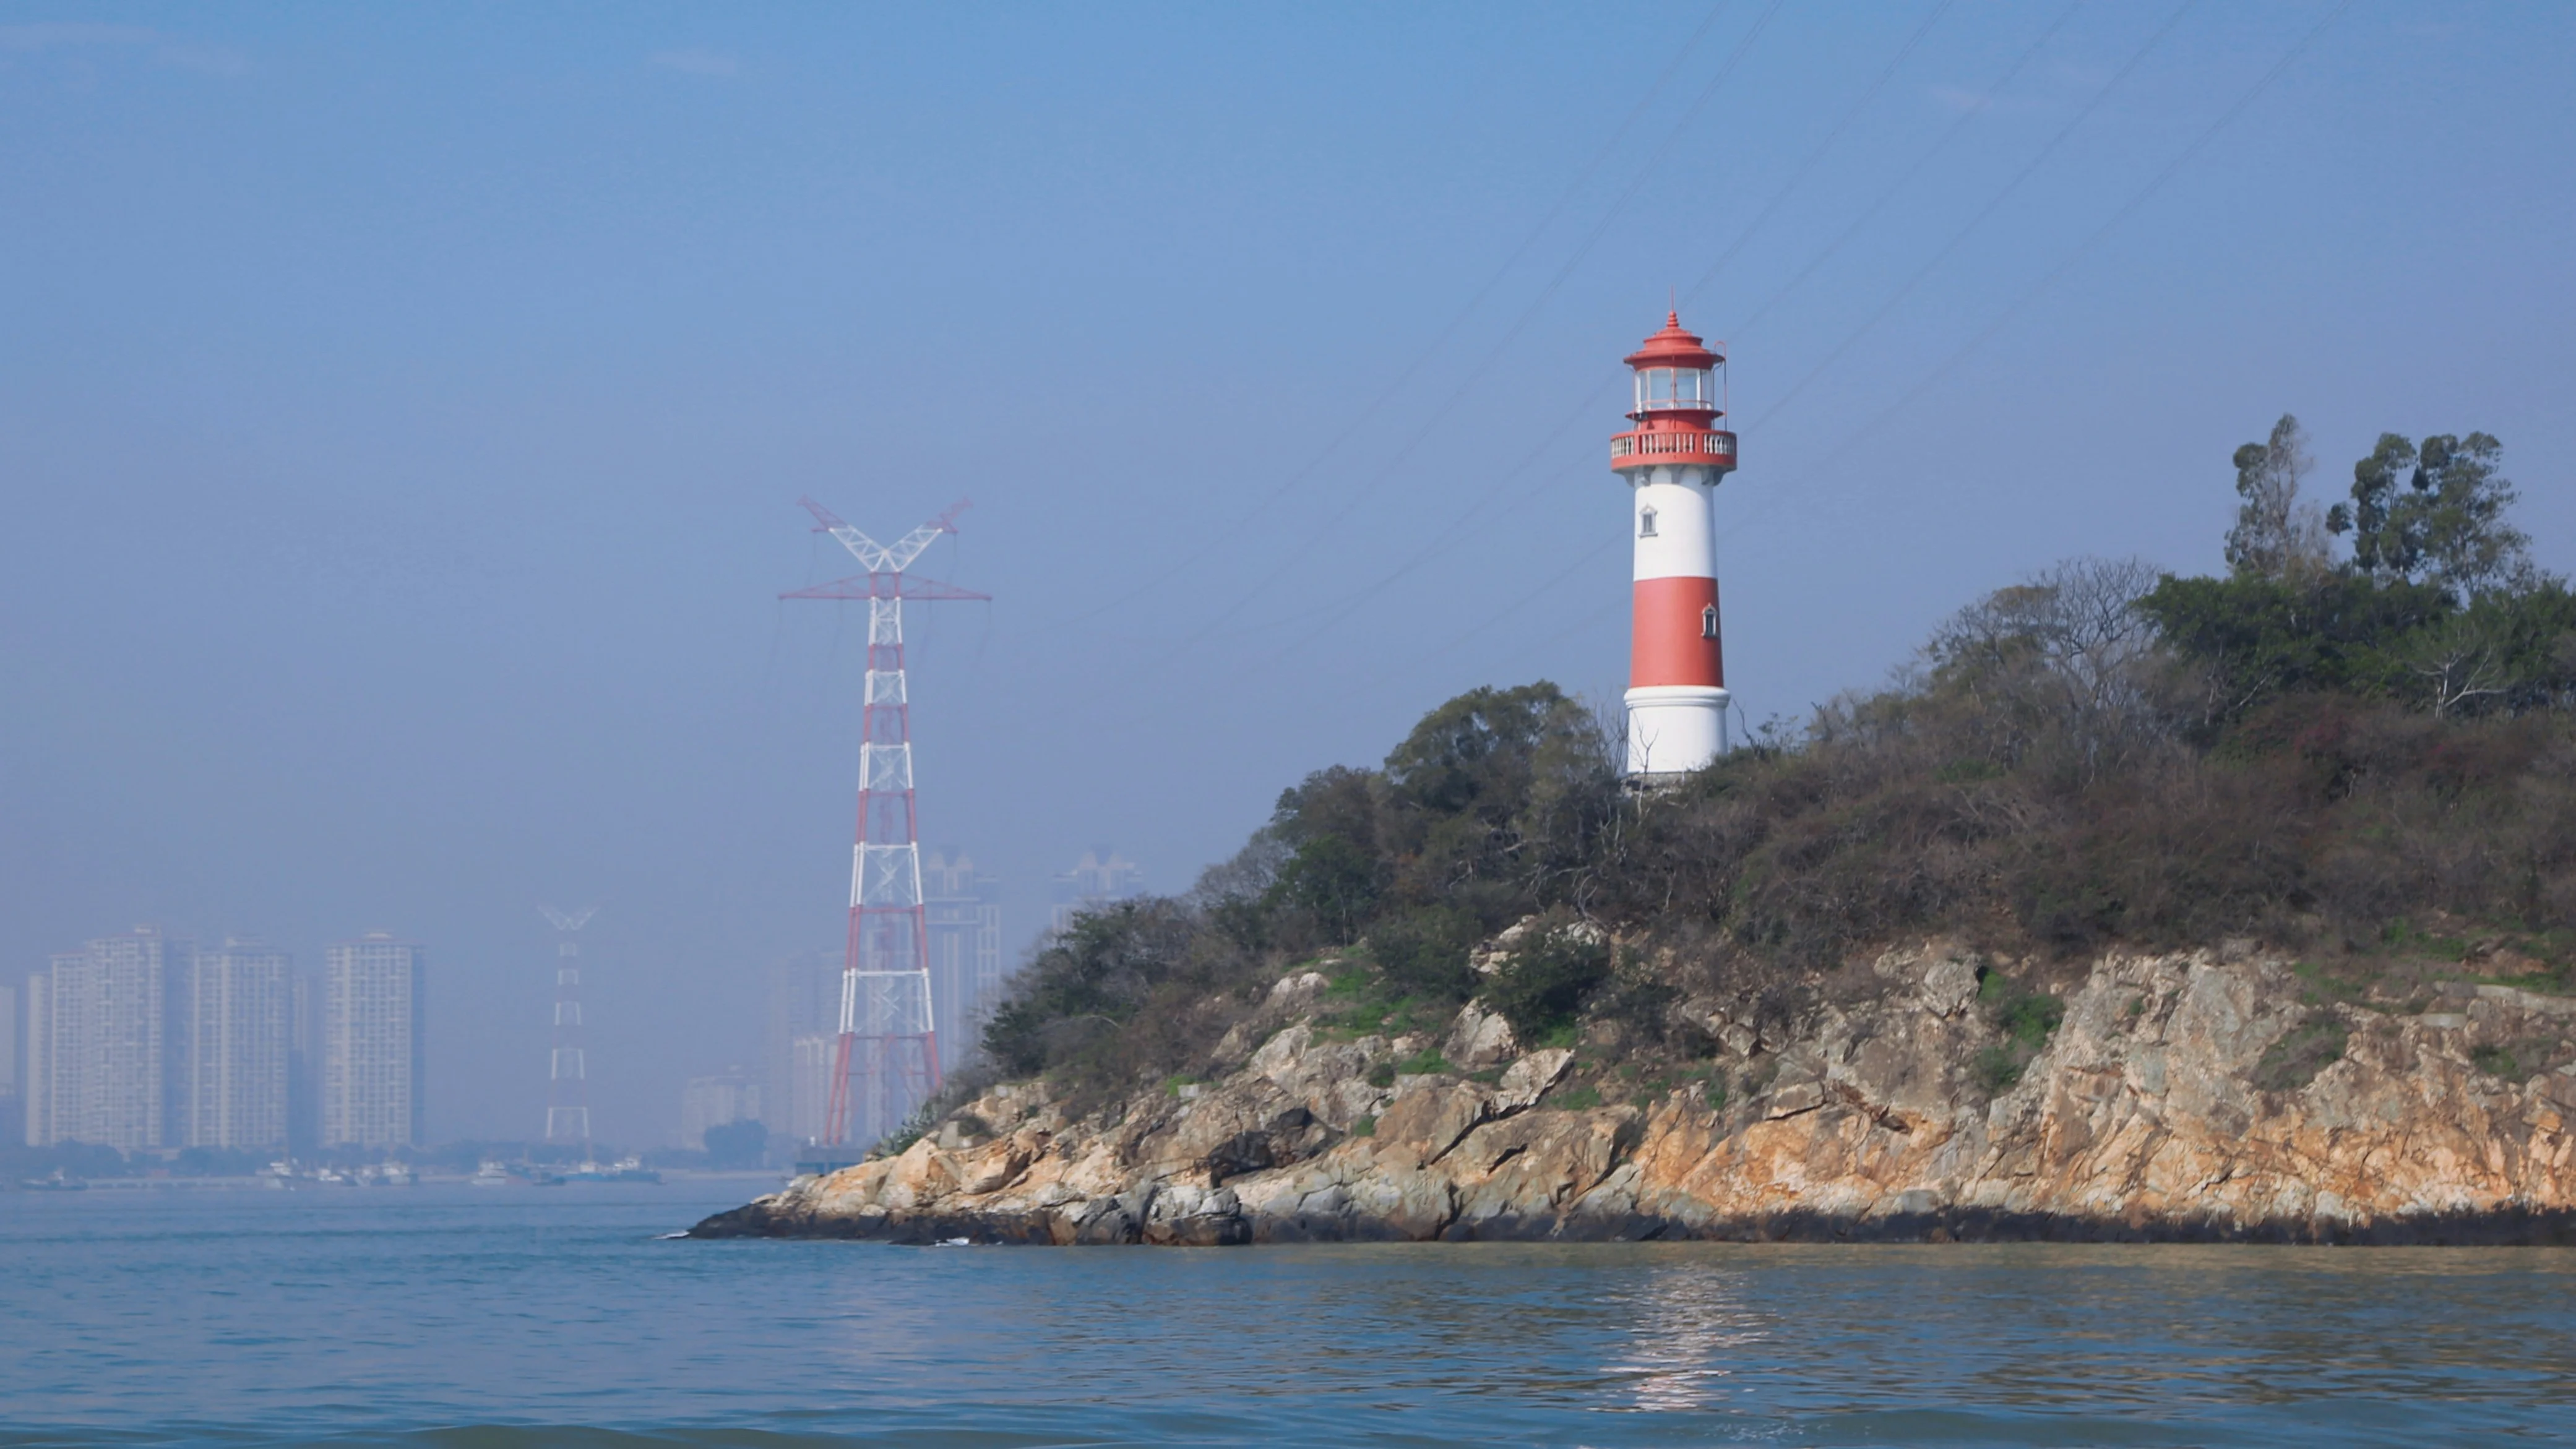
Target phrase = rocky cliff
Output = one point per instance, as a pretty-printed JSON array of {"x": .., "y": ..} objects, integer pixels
[{"x": 2211, "y": 1095}]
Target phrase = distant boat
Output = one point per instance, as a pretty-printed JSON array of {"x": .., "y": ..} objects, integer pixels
[
  {"x": 56, "y": 1183},
  {"x": 492, "y": 1174},
  {"x": 627, "y": 1169}
]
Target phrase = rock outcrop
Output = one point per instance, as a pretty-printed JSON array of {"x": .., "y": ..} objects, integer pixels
[{"x": 2194, "y": 1096}]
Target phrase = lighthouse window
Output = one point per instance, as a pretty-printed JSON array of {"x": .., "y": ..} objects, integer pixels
[
  {"x": 1645, "y": 523},
  {"x": 1669, "y": 387},
  {"x": 1708, "y": 622}
]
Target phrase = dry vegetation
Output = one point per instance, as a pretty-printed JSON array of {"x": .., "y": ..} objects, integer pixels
[{"x": 2371, "y": 769}]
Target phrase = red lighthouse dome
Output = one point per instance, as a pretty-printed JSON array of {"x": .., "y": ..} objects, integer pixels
[{"x": 1680, "y": 391}]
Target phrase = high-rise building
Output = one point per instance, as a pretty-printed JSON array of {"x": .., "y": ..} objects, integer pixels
[
  {"x": 965, "y": 949},
  {"x": 38, "y": 1120},
  {"x": 303, "y": 1063},
  {"x": 13, "y": 1111},
  {"x": 729, "y": 1096},
  {"x": 112, "y": 1018},
  {"x": 809, "y": 1086},
  {"x": 372, "y": 1061},
  {"x": 1100, "y": 877},
  {"x": 240, "y": 1020},
  {"x": 804, "y": 996}
]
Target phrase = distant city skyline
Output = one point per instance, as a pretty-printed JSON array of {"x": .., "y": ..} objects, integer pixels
[{"x": 145, "y": 1041}]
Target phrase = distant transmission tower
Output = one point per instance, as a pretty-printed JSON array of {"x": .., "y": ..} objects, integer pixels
[
  {"x": 889, "y": 1047},
  {"x": 567, "y": 1089}
]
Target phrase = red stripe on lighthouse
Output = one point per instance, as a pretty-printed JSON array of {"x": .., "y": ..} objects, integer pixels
[{"x": 1674, "y": 636}]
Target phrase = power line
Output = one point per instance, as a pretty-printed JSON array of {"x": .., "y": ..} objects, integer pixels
[
  {"x": 1434, "y": 418},
  {"x": 1827, "y": 144},
  {"x": 1454, "y": 537},
  {"x": 1991, "y": 206},
  {"x": 1916, "y": 169},
  {"x": 1450, "y": 539},
  {"x": 1547, "y": 222},
  {"x": 1933, "y": 375},
  {"x": 1936, "y": 374}
]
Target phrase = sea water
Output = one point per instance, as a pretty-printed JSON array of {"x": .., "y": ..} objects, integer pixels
[{"x": 545, "y": 1316}]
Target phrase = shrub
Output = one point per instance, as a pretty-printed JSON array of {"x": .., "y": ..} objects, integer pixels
[
  {"x": 1997, "y": 1069},
  {"x": 1423, "y": 952},
  {"x": 2025, "y": 1017},
  {"x": 2497, "y": 1062},
  {"x": 2301, "y": 1053},
  {"x": 1542, "y": 986}
]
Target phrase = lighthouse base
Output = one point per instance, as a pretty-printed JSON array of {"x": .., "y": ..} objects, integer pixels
[{"x": 1674, "y": 729}]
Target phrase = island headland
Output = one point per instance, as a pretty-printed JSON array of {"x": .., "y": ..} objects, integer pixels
[{"x": 2140, "y": 907}]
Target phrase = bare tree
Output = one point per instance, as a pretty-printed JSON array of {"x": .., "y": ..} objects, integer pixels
[
  {"x": 2460, "y": 663},
  {"x": 2070, "y": 646},
  {"x": 2276, "y": 534}
]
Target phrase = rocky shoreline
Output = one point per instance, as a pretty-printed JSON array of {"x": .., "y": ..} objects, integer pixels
[{"x": 2203, "y": 1096}]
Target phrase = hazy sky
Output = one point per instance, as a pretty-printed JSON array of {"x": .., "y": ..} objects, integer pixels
[{"x": 403, "y": 412}]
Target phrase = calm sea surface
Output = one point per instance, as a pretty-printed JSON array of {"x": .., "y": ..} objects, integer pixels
[{"x": 529, "y": 1316}]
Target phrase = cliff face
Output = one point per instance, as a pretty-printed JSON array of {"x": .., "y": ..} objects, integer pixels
[{"x": 2174, "y": 1100}]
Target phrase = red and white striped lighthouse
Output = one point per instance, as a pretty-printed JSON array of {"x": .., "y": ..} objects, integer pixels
[{"x": 1673, "y": 460}]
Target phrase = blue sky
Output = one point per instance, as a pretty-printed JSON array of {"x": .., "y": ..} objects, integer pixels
[{"x": 403, "y": 409}]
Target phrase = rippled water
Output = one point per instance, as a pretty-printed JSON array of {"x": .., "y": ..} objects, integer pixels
[{"x": 504, "y": 1318}]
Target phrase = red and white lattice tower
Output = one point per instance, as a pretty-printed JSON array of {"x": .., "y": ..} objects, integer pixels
[
  {"x": 567, "y": 1080},
  {"x": 887, "y": 1062},
  {"x": 1672, "y": 461}
]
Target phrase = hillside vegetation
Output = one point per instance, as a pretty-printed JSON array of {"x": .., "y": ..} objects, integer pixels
[{"x": 2357, "y": 747}]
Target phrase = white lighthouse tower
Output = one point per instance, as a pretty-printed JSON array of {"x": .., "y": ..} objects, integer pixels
[{"x": 1673, "y": 460}]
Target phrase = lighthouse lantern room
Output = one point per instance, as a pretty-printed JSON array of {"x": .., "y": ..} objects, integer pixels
[{"x": 1673, "y": 460}]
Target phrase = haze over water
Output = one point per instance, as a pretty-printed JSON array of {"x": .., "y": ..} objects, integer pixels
[{"x": 455, "y": 1316}]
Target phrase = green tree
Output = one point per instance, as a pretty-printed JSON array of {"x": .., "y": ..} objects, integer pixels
[
  {"x": 2435, "y": 514},
  {"x": 1494, "y": 792},
  {"x": 1089, "y": 981},
  {"x": 2260, "y": 637},
  {"x": 1335, "y": 882}
]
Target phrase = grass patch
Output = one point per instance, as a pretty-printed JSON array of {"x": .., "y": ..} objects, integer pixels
[
  {"x": 1998, "y": 1069},
  {"x": 1423, "y": 1063},
  {"x": 1365, "y": 1127},
  {"x": 2497, "y": 1062},
  {"x": 2025, "y": 1017},
  {"x": 2402, "y": 934},
  {"x": 1578, "y": 1099},
  {"x": 2319, "y": 986},
  {"x": 2301, "y": 1053}
]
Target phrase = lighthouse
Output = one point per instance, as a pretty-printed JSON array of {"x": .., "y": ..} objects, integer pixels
[{"x": 1672, "y": 461}]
